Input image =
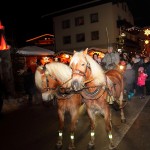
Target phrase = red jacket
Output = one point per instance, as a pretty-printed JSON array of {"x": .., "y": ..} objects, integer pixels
[{"x": 141, "y": 79}]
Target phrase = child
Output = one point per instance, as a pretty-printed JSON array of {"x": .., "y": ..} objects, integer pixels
[{"x": 141, "y": 82}]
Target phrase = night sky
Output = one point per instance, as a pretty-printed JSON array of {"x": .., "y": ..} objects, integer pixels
[{"x": 23, "y": 19}]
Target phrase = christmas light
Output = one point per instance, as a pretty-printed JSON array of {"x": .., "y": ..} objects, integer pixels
[
  {"x": 147, "y": 32},
  {"x": 146, "y": 41}
]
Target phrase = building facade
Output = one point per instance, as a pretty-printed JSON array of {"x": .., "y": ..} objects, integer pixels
[{"x": 96, "y": 25}]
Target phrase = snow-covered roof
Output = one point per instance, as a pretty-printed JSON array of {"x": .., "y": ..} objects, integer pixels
[{"x": 34, "y": 50}]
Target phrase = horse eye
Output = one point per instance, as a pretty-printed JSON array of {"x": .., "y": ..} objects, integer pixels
[{"x": 82, "y": 64}]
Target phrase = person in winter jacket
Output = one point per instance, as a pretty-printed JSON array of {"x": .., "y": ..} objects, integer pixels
[
  {"x": 129, "y": 79},
  {"x": 146, "y": 66},
  {"x": 111, "y": 59},
  {"x": 141, "y": 82},
  {"x": 29, "y": 85}
]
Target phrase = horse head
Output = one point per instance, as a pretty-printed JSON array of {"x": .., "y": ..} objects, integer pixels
[
  {"x": 85, "y": 70},
  {"x": 49, "y": 77},
  {"x": 45, "y": 82}
]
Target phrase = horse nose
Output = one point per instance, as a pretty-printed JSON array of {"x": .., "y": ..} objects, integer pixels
[{"x": 75, "y": 85}]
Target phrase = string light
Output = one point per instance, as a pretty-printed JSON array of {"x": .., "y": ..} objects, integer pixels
[{"x": 146, "y": 41}]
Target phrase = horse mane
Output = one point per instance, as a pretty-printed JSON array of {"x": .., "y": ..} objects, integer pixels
[
  {"x": 61, "y": 71},
  {"x": 96, "y": 70}
]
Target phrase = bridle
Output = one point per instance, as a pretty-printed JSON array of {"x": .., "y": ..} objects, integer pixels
[
  {"x": 57, "y": 90},
  {"x": 81, "y": 73},
  {"x": 99, "y": 89},
  {"x": 45, "y": 74}
]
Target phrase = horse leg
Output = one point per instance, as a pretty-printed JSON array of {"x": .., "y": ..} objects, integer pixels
[
  {"x": 61, "y": 126},
  {"x": 92, "y": 122},
  {"x": 108, "y": 126},
  {"x": 123, "y": 119},
  {"x": 74, "y": 116}
]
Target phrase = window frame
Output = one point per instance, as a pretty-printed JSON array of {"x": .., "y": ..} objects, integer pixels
[
  {"x": 66, "y": 24},
  {"x": 67, "y": 39},
  {"x": 79, "y": 21},
  {"x": 80, "y": 37},
  {"x": 94, "y": 17},
  {"x": 95, "y": 35}
]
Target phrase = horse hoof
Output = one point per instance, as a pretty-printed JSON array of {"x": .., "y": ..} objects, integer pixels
[
  {"x": 91, "y": 145},
  {"x": 59, "y": 145},
  {"x": 111, "y": 146},
  {"x": 71, "y": 147},
  {"x": 123, "y": 120}
]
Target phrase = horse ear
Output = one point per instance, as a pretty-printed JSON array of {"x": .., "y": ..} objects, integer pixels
[
  {"x": 86, "y": 51},
  {"x": 74, "y": 51}
]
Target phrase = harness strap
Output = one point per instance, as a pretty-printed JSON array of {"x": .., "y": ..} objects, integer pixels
[{"x": 45, "y": 74}]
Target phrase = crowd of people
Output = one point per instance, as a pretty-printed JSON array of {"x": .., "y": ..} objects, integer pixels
[{"x": 136, "y": 71}]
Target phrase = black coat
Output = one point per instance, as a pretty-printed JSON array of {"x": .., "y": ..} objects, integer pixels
[{"x": 29, "y": 82}]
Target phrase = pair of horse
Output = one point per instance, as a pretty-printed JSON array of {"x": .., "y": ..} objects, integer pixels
[
  {"x": 89, "y": 83},
  {"x": 54, "y": 80}
]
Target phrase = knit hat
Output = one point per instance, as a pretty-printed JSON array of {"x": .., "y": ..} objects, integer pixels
[
  {"x": 129, "y": 66},
  {"x": 141, "y": 69},
  {"x": 122, "y": 62}
]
